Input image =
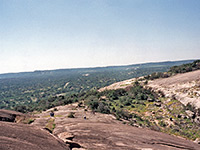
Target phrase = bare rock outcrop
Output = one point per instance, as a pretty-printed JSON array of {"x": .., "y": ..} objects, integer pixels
[
  {"x": 103, "y": 131},
  {"x": 8, "y": 115},
  {"x": 24, "y": 137},
  {"x": 183, "y": 87}
]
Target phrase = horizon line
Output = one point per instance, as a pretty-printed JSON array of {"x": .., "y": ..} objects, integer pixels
[{"x": 31, "y": 71}]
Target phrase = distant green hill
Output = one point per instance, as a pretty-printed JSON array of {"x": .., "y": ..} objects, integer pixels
[
  {"x": 183, "y": 68},
  {"x": 186, "y": 67},
  {"x": 60, "y": 72}
]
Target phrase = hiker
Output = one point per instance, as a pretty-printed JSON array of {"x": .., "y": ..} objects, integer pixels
[{"x": 52, "y": 114}]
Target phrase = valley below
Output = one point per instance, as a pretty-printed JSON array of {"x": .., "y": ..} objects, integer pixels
[{"x": 158, "y": 111}]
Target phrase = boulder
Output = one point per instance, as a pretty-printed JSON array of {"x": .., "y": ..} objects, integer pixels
[
  {"x": 190, "y": 114},
  {"x": 66, "y": 136},
  {"x": 197, "y": 141}
]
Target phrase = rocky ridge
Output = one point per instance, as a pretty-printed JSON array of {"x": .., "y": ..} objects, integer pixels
[
  {"x": 14, "y": 136},
  {"x": 89, "y": 130}
]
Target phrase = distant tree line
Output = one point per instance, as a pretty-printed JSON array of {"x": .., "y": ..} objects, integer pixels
[{"x": 175, "y": 70}]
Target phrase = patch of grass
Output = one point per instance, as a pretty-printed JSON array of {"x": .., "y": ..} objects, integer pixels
[
  {"x": 124, "y": 85},
  {"x": 37, "y": 112},
  {"x": 162, "y": 123},
  {"x": 170, "y": 103},
  {"x": 28, "y": 120},
  {"x": 50, "y": 125},
  {"x": 58, "y": 116},
  {"x": 31, "y": 120},
  {"x": 48, "y": 116},
  {"x": 71, "y": 115},
  {"x": 74, "y": 108}
]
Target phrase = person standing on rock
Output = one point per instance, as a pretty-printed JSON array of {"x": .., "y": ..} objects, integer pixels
[{"x": 52, "y": 114}]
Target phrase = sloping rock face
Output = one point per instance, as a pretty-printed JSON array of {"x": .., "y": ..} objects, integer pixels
[
  {"x": 8, "y": 115},
  {"x": 118, "y": 85},
  {"x": 103, "y": 132},
  {"x": 102, "y": 136},
  {"x": 184, "y": 87},
  {"x": 24, "y": 137}
]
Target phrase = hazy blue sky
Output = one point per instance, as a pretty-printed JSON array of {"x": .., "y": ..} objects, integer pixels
[{"x": 52, "y": 34}]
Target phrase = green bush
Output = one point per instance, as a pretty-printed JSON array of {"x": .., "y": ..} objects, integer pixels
[
  {"x": 123, "y": 114},
  {"x": 71, "y": 115}
]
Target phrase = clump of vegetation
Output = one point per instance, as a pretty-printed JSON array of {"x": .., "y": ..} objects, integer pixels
[
  {"x": 24, "y": 119},
  {"x": 186, "y": 67},
  {"x": 71, "y": 115},
  {"x": 162, "y": 123},
  {"x": 31, "y": 120},
  {"x": 143, "y": 108},
  {"x": 123, "y": 114},
  {"x": 50, "y": 126},
  {"x": 190, "y": 107},
  {"x": 157, "y": 75}
]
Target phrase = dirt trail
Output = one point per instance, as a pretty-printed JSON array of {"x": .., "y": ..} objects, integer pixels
[{"x": 102, "y": 132}]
